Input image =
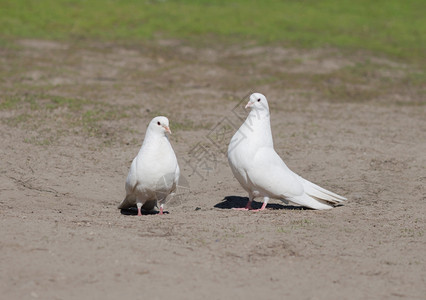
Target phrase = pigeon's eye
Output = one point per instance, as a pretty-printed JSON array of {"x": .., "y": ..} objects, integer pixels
[
  {"x": 158, "y": 123},
  {"x": 258, "y": 100}
]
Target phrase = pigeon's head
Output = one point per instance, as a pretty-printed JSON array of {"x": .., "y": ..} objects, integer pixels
[
  {"x": 160, "y": 124},
  {"x": 258, "y": 102}
]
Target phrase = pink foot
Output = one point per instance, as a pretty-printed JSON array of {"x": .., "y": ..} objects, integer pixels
[
  {"x": 161, "y": 211},
  {"x": 260, "y": 209},
  {"x": 248, "y": 207}
]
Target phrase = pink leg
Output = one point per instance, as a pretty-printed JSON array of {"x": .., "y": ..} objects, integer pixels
[
  {"x": 161, "y": 209},
  {"x": 248, "y": 206},
  {"x": 139, "y": 205},
  {"x": 265, "y": 202}
]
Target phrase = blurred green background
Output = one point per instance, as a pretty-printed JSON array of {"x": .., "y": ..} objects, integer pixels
[{"x": 393, "y": 28}]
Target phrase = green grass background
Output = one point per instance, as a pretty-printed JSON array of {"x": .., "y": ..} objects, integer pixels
[{"x": 395, "y": 28}]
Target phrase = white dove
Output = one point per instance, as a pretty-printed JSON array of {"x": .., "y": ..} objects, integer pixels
[
  {"x": 154, "y": 172},
  {"x": 262, "y": 173}
]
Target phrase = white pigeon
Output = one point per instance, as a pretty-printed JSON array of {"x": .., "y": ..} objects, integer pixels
[
  {"x": 260, "y": 170},
  {"x": 154, "y": 172}
]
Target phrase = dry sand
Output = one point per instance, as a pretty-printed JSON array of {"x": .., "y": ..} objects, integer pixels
[{"x": 63, "y": 169}]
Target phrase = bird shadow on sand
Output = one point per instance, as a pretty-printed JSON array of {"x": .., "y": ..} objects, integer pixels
[
  {"x": 230, "y": 202},
  {"x": 133, "y": 211}
]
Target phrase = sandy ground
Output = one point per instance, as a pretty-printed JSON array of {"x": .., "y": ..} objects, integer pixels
[{"x": 64, "y": 162}]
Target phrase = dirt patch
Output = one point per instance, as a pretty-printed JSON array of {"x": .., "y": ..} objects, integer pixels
[{"x": 73, "y": 117}]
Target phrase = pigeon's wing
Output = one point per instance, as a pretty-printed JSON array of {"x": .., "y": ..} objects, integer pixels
[
  {"x": 278, "y": 181},
  {"x": 132, "y": 179},
  {"x": 175, "y": 184},
  {"x": 270, "y": 175},
  {"x": 131, "y": 183},
  {"x": 176, "y": 181}
]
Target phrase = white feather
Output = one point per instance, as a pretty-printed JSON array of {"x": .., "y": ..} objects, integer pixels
[
  {"x": 154, "y": 172},
  {"x": 260, "y": 170}
]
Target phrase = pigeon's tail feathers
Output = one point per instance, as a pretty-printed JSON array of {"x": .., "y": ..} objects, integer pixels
[
  {"x": 128, "y": 202},
  {"x": 310, "y": 202},
  {"x": 320, "y": 193}
]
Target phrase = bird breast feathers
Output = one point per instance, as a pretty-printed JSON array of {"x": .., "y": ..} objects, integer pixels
[{"x": 153, "y": 169}]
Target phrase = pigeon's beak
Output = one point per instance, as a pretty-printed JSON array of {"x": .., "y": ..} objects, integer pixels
[
  {"x": 249, "y": 104},
  {"x": 167, "y": 129}
]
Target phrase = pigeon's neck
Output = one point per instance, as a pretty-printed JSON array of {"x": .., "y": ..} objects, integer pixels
[
  {"x": 259, "y": 124},
  {"x": 155, "y": 141},
  {"x": 258, "y": 115}
]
